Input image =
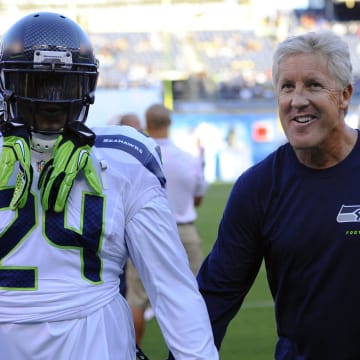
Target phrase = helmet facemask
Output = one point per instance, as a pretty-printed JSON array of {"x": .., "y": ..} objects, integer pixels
[{"x": 52, "y": 86}]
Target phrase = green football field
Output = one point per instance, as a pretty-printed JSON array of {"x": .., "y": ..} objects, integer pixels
[{"x": 252, "y": 333}]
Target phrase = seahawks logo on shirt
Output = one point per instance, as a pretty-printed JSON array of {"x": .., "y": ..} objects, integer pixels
[{"x": 349, "y": 213}]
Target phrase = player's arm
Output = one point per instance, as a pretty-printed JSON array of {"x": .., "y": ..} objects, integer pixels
[{"x": 160, "y": 259}]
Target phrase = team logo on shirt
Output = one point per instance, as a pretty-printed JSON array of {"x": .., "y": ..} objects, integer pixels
[
  {"x": 349, "y": 213},
  {"x": 40, "y": 165}
]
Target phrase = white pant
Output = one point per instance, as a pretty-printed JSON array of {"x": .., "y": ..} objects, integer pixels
[{"x": 103, "y": 335}]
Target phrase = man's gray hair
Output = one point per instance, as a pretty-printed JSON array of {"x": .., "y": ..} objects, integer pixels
[{"x": 324, "y": 42}]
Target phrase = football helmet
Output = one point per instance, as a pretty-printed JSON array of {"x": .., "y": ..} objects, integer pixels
[{"x": 47, "y": 66}]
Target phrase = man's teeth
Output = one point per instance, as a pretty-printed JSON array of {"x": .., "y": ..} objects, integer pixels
[{"x": 303, "y": 119}]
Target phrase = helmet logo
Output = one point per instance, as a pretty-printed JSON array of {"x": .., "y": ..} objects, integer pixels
[{"x": 48, "y": 58}]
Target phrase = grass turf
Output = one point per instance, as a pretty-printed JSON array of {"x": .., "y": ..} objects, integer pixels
[{"x": 252, "y": 334}]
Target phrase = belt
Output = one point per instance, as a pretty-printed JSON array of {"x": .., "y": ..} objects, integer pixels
[{"x": 185, "y": 223}]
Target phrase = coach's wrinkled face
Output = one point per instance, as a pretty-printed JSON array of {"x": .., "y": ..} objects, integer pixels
[{"x": 312, "y": 103}]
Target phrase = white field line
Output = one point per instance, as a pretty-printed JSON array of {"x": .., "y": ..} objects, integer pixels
[{"x": 258, "y": 304}]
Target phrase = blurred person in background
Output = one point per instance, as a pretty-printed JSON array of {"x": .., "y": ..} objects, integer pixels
[
  {"x": 135, "y": 292},
  {"x": 130, "y": 119},
  {"x": 133, "y": 120},
  {"x": 298, "y": 210},
  {"x": 186, "y": 184},
  {"x": 75, "y": 204},
  {"x": 185, "y": 187}
]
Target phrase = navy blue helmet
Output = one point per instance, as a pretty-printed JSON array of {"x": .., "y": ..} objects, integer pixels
[{"x": 47, "y": 58}]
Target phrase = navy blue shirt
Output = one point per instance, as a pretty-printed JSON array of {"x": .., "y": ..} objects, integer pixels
[{"x": 305, "y": 224}]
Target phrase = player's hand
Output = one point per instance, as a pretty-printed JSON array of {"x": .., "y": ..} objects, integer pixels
[
  {"x": 71, "y": 155},
  {"x": 16, "y": 148}
]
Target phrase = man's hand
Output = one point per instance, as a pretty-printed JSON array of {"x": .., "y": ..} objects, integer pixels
[
  {"x": 16, "y": 148},
  {"x": 71, "y": 155}
]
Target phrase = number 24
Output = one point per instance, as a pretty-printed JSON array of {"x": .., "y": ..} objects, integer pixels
[{"x": 87, "y": 240}]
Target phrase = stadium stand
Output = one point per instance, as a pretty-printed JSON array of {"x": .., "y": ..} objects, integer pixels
[{"x": 222, "y": 49}]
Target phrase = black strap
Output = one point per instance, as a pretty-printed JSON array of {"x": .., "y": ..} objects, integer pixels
[{"x": 139, "y": 354}]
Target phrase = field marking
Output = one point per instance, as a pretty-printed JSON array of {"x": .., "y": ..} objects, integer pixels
[{"x": 258, "y": 304}]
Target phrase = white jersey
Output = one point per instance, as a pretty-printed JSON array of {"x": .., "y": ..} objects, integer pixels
[
  {"x": 185, "y": 180},
  {"x": 59, "y": 273}
]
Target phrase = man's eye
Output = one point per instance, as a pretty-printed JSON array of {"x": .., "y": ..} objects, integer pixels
[
  {"x": 286, "y": 86},
  {"x": 315, "y": 85}
]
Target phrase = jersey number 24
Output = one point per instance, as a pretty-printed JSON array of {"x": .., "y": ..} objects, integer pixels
[{"x": 87, "y": 240}]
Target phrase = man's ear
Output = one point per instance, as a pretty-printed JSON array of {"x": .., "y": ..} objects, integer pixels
[{"x": 346, "y": 96}]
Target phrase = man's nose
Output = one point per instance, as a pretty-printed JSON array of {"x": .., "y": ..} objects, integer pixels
[{"x": 299, "y": 98}]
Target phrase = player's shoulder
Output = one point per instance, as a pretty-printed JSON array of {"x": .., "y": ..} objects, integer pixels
[
  {"x": 118, "y": 130},
  {"x": 122, "y": 136},
  {"x": 124, "y": 145}
]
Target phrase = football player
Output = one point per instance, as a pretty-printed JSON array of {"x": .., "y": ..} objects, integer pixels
[{"x": 75, "y": 203}]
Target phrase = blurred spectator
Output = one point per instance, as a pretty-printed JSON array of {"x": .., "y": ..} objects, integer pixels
[
  {"x": 186, "y": 184},
  {"x": 186, "y": 187},
  {"x": 130, "y": 119},
  {"x": 135, "y": 293}
]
